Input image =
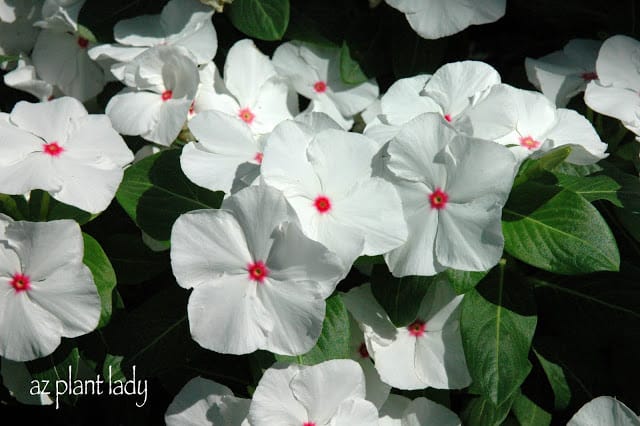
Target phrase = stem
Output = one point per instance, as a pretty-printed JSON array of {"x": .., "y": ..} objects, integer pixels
[{"x": 44, "y": 206}]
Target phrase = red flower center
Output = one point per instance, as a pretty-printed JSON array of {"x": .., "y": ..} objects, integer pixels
[
  {"x": 588, "y": 76},
  {"x": 52, "y": 149},
  {"x": 308, "y": 424},
  {"x": 362, "y": 350},
  {"x": 246, "y": 115},
  {"x": 83, "y": 42},
  {"x": 322, "y": 203},
  {"x": 447, "y": 117},
  {"x": 166, "y": 95},
  {"x": 258, "y": 271},
  {"x": 192, "y": 108},
  {"x": 438, "y": 199},
  {"x": 320, "y": 87},
  {"x": 258, "y": 157},
  {"x": 417, "y": 328},
  {"x": 20, "y": 282},
  {"x": 529, "y": 143}
]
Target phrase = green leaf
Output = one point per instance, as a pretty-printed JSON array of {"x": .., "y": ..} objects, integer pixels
[
  {"x": 497, "y": 325},
  {"x": 154, "y": 192},
  {"x": 576, "y": 170},
  {"x": 482, "y": 412},
  {"x": 132, "y": 260},
  {"x": 557, "y": 380},
  {"x": 350, "y": 71},
  {"x": 592, "y": 187},
  {"x": 558, "y": 231},
  {"x": 103, "y": 275},
  {"x": 334, "y": 339},
  {"x": 112, "y": 368},
  {"x": 263, "y": 19},
  {"x": 58, "y": 368},
  {"x": 463, "y": 281},
  {"x": 14, "y": 205},
  {"x": 529, "y": 413},
  {"x": 531, "y": 169},
  {"x": 400, "y": 297}
]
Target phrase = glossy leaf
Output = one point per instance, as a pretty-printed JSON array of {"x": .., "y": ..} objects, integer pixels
[
  {"x": 103, "y": 275},
  {"x": 263, "y": 19}
]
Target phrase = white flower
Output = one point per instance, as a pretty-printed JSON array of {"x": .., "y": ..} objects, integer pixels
[
  {"x": 327, "y": 178},
  {"x": 538, "y": 126},
  {"x": 226, "y": 157},
  {"x": 616, "y": 93},
  {"x": 563, "y": 74},
  {"x": 58, "y": 147},
  {"x": 163, "y": 82},
  {"x": 401, "y": 411},
  {"x": 329, "y": 393},
  {"x": 258, "y": 282},
  {"x": 314, "y": 72},
  {"x": 426, "y": 353},
  {"x": 439, "y": 18},
  {"x": 205, "y": 402},
  {"x": 252, "y": 90},
  {"x": 17, "y": 33},
  {"x": 17, "y": 379},
  {"x": 453, "y": 188},
  {"x": 24, "y": 77},
  {"x": 185, "y": 23},
  {"x": 604, "y": 411},
  {"x": 46, "y": 292}
]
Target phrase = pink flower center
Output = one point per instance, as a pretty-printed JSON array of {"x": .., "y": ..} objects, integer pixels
[
  {"x": 83, "y": 42},
  {"x": 417, "y": 328},
  {"x": 258, "y": 271},
  {"x": 308, "y": 424},
  {"x": 258, "y": 157},
  {"x": 166, "y": 95},
  {"x": 438, "y": 199},
  {"x": 362, "y": 350},
  {"x": 588, "y": 76},
  {"x": 20, "y": 282},
  {"x": 447, "y": 117},
  {"x": 192, "y": 108},
  {"x": 246, "y": 115},
  {"x": 52, "y": 148},
  {"x": 320, "y": 87},
  {"x": 529, "y": 143},
  {"x": 322, "y": 203}
]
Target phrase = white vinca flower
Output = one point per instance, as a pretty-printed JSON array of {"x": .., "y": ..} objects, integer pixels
[
  {"x": 314, "y": 72},
  {"x": 327, "y": 394},
  {"x": 401, "y": 411},
  {"x": 24, "y": 77},
  {"x": 46, "y": 292},
  {"x": 162, "y": 84},
  {"x": 426, "y": 353},
  {"x": 433, "y": 19},
  {"x": 203, "y": 402},
  {"x": 327, "y": 178},
  {"x": 17, "y": 33},
  {"x": 616, "y": 93},
  {"x": 604, "y": 411},
  {"x": 563, "y": 74},
  {"x": 184, "y": 23},
  {"x": 453, "y": 188},
  {"x": 258, "y": 282},
  {"x": 252, "y": 92},
  {"x": 58, "y": 147},
  {"x": 538, "y": 126}
]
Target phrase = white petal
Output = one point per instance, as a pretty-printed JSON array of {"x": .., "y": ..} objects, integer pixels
[
  {"x": 351, "y": 100},
  {"x": 617, "y": 62},
  {"x": 620, "y": 103},
  {"x": 197, "y": 234},
  {"x": 270, "y": 107},
  {"x": 133, "y": 112},
  {"x": 322, "y": 104},
  {"x": 94, "y": 140},
  {"x": 370, "y": 315},
  {"x": 574, "y": 129},
  {"x": 377, "y": 390},
  {"x": 440, "y": 361},
  {"x": 396, "y": 362},
  {"x": 403, "y": 101},
  {"x": 52, "y": 121},
  {"x": 25, "y": 78},
  {"x": 246, "y": 69},
  {"x": 290, "y": 64},
  {"x": 421, "y": 411},
  {"x": 356, "y": 412},
  {"x": 393, "y": 409},
  {"x": 602, "y": 411}
]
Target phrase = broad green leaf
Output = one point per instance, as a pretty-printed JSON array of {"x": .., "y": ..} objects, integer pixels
[
  {"x": 154, "y": 192},
  {"x": 112, "y": 369},
  {"x": 334, "y": 339},
  {"x": 531, "y": 169},
  {"x": 592, "y": 187},
  {"x": 350, "y": 71},
  {"x": 482, "y": 412},
  {"x": 400, "y": 297},
  {"x": 58, "y": 368},
  {"x": 558, "y": 231},
  {"x": 529, "y": 413},
  {"x": 103, "y": 275},
  {"x": 463, "y": 281},
  {"x": 557, "y": 380},
  {"x": 263, "y": 19},
  {"x": 497, "y": 324},
  {"x": 14, "y": 205},
  {"x": 132, "y": 260}
]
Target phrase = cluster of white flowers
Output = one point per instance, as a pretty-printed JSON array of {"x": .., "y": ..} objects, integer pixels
[{"x": 424, "y": 186}]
